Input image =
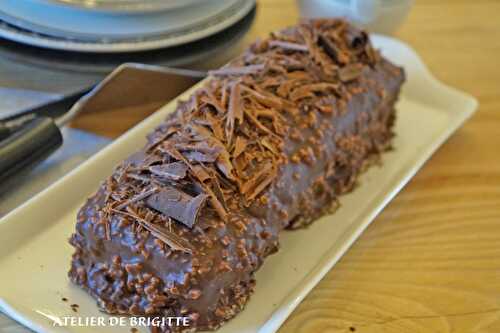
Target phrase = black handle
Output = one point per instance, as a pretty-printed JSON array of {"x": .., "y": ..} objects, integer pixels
[{"x": 28, "y": 146}]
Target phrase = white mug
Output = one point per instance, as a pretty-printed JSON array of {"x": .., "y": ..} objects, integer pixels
[{"x": 381, "y": 16}]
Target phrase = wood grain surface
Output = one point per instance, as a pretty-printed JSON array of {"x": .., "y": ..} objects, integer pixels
[{"x": 431, "y": 261}]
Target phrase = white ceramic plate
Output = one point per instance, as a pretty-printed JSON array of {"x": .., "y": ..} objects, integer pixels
[
  {"x": 35, "y": 255},
  {"x": 120, "y": 6},
  {"x": 66, "y": 28}
]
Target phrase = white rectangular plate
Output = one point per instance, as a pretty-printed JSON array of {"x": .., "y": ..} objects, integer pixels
[{"x": 35, "y": 255}]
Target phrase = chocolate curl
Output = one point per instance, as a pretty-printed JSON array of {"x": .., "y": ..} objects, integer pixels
[{"x": 177, "y": 205}]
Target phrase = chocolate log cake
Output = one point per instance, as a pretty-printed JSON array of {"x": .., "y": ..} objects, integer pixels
[{"x": 268, "y": 142}]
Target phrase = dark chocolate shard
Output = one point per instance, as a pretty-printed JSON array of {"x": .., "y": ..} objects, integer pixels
[
  {"x": 137, "y": 158},
  {"x": 200, "y": 157},
  {"x": 177, "y": 205},
  {"x": 171, "y": 171},
  {"x": 199, "y": 174},
  {"x": 172, "y": 151},
  {"x": 142, "y": 159}
]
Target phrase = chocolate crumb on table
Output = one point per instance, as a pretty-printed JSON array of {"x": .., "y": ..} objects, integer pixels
[
  {"x": 269, "y": 142},
  {"x": 74, "y": 307}
]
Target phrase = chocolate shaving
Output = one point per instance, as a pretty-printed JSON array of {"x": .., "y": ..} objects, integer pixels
[
  {"x": 215, "y": 125},
  {"x": 258, "y": 182},
  {"x": 239, "y": 146},
  {"x": 210, "y": 99},
  {"x": 288, "y": 46},
  {"x": 138, "y": 177},
  {"x": 172, "y": 171},
  {"x": 267, "y": 100},
  {"x": 262, "y": 185},
  {"x": 350, "y": 72},
  {"x": 241, "y": 163},
  {"x": 172, "y": 151},
  {"x": 157, "y": 139},
  {"x": 177, "y": 205},
  {"x": 332, "y": 50},
  {"x": 257, "y": 123},
  {"x": 196, "y": 172},
  {"x": 308, "y": 90},
  {"x": 214, "y": 201},
  {"x": 245, "y": 70},
  {"x": 285, "y": 88},
  {"x": 138, "y": 197},
  {"x": 223, "y": 159},
  {"x": 224, "y": 165},
  {"x": 200, "y": 173},
  {"x": 210, "y": 140},
  {"x": 166, "y": 236},
  {"x": 218, "y": 192},
  {"x": 267, "y": 143},
  {"x": 234, "y": 111},
  {"x": 224, "y": 95}
]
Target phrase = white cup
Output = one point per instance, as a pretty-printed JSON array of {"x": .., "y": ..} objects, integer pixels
[{"x": 381, "y": 16}]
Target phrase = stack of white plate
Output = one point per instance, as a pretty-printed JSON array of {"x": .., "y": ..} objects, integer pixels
[{"x": 116, "y": 25}]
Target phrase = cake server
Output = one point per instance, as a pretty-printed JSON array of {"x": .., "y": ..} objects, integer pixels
[{"x": 33, "y": 136}]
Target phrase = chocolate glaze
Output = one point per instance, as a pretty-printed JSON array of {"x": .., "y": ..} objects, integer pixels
[{"x": 287, "y": 127}]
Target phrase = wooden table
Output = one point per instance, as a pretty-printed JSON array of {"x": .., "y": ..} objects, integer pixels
[{"x": 431, "y": 261}]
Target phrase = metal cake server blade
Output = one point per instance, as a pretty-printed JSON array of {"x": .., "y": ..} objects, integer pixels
[{"x": 128, "y": 85}]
